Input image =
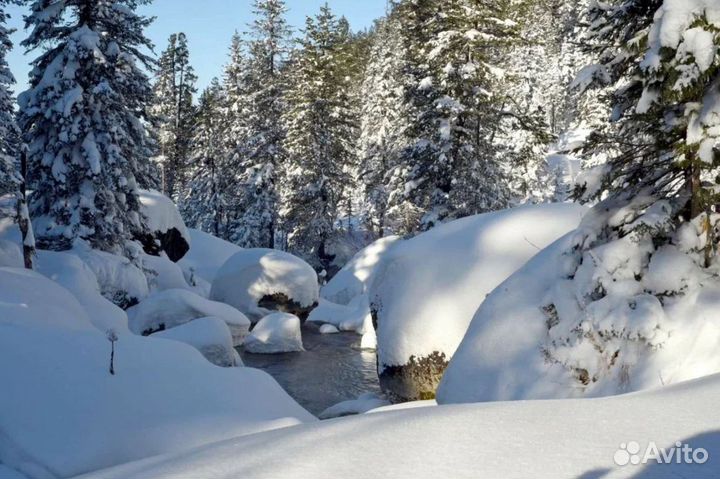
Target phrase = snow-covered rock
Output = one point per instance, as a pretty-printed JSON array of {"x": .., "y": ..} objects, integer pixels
[
  {"x": 120, "y": 280},
  {"x": 163, "y": 274},
  {"x": 62, "y": 413},
  {"x": 174, "y": 307},
  {"x": 74, "y": 275},
  {"x": 10, "y": 255},
  {"x": 353, "y": 317},
  {"x": 328, "y": 329},
  {"x": 206, "y": 256},
  {"x": 573, "y": 438},
  {"x": 426, "y": 290},
  {"x": 365, "y": 403},
  {"x": 260, "y": 281},
  {"x": 275, "y": 333},
  {"x": 618, "y": 317},
  {"x": 169, "y": 233},
  {"x": 210, "y": 336},
  {"x": 29, "y": 298},
  {"x": 353, "y": 279}
]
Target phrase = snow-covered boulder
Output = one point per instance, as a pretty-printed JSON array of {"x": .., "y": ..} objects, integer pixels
[
  {"x": 260, "y": 281},
  {"x": 74, "y": 275},
  {"x": 427, "y": 289},
  {"x": 210, "y": 336},
  {"x": 174, "y": 307},
  {"x": 592, "y": 321},
  {"x": 163, "y": 274},
  {"x": 29, "y": 298},
  {"x": 329, "y": 329},
  {"x": 10, "y": 255},
  {"x": 353, "y": 279},
  {"x": 353, "y": 317},
  {"x": 275, "y": 333},
  {"x": 63, "y": 414},
  {"x": 365, "y": 403},
  {"x": 169, "y": 233},
  {"x": 206, "y": 256},
  {"x": 120, "y": 280}
]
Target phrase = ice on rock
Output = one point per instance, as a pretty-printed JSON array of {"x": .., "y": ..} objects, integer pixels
[
  {"x": 169, "y": 309},
  {"x": 260, "y": 281},
  {"x": 275, "y": 333},
  {"x": 210, "y": 336}
]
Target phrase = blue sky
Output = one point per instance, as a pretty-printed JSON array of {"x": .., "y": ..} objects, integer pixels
[{"x": 209, "y": 25}]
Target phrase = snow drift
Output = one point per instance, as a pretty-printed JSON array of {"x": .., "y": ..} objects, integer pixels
[{"x": 426, "y": 290}]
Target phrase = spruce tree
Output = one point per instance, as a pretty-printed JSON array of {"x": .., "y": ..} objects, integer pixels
[
  {"x": 262, "y": 152},
  {"x": 204, "y": 205},
  {"x": 82, "y": 117},
  {"x": 174, "y": 113},
  {"x": 321, "y": 135}
]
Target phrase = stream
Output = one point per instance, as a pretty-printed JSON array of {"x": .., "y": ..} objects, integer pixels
[{"x": 332, "y": 369}]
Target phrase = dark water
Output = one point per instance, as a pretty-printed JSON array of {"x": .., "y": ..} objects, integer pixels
[{"x": 332, "y": 369}]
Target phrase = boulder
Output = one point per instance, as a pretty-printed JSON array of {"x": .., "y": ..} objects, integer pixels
[
  {"x": 275, "y": 333},
  {"x": 168, "y": 233}
]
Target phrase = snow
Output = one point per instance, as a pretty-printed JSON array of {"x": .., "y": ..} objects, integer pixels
[
  {"x": 542, "y": 334},
  {"x": 207, "y": 255},
  {"x": 161, "y": 213},
  {"x": 427, "y": 289},
  {"x": 353, "y": 317},
  {"x": 73, "y": 274},
  {"x": 366, "y": 402},
  {"x": 353, "y": 279},
  {"x": 574, "y": 438},
  {"x": 328, "y": 329},
  {"x": 275, "y": 333},
  {"x": 28, "y": 298},
  {"x": 62, "y": 412},
  {"x": 210, "y": 336},
  {"x": 163, "y": 274},
  {"x": 10, "y": 255},
  {"x": 175, "y": 307},
  {"x": 252, "y": 274}
]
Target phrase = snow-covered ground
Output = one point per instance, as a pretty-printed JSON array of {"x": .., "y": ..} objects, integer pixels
[{"x": 575, "y": 438}]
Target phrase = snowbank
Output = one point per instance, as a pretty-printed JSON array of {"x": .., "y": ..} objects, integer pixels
[
  {"x": 210, "y": 336},
  {"x": 163, "y": 219},
  {"x": 365, "y": 403},
  {"x": 426, "y": 290},
  {"x": 28, "y": 298},
  {"x": 275, "y": 333},
  {"x": 353, "y": 279},
  {"x": 10, "y": 255},
  {"x": 73, "y": 274},
  {"x": 260, "y": 281},
  {"x": 207, "y": 255},
  {"x": 169, "y": 309},
  {"x": 615, "y": 317},
  {"x": 570, "y": 439},
  {"x": 62, "y": 412}
]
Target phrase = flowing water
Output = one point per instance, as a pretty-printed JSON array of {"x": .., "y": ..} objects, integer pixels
[{"x": 333, "y": 368}]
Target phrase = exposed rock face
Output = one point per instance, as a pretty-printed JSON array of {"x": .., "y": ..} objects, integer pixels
[
  {"x": 280, "y": 302},
  {"x": 170, "y": 242},
  {"x": 415, "y": 381}
]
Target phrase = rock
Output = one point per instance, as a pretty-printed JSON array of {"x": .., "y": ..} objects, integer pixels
[
  {"x": 169, "y": 234},
  {"x": 417, "y": 380},
  {"x": 261, "y": 281},
  {"x": 275, "y": 333},
  {"x": 174, "y": 307}
]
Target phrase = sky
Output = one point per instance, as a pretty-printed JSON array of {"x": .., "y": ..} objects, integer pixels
[{"x": 209, "y": 25}]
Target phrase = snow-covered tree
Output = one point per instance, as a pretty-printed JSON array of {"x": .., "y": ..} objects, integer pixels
[
  {"x": 321, "y": 137},
  {"x": 652, "y": 237},
  {"x": 204, "y": 206},
  {"x": 174, "y": 113},
  {"x": 13, "y": 157},
  {"x": 81, "y": 119},
  {"x": 261, "y": 153}
]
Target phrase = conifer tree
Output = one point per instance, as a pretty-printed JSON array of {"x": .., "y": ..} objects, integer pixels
[
  {"x": 262, "y": 151},
  {"x": 204, "y": 205},
  {"x": 81, "y": 118},
  {"x": 174, "y": 113},
  {"x": 321, "y": 135}
]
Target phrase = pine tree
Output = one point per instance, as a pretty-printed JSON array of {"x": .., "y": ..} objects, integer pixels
[
  {"x": 81, "y": 118},
  {"x": 321, "y": 137},
  {"x": 12, "y": 171},
  {"x": 262, "y": 153},
  {"x": 204, "y": 205},
  {"x": 174, "y": 113}
]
